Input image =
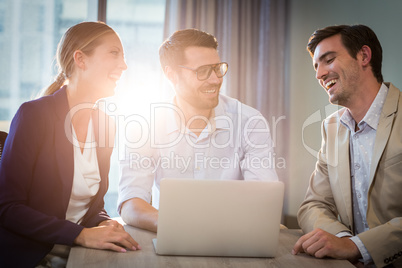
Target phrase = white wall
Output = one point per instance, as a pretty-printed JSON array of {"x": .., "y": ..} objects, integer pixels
[{"x": 306, "y": 96}]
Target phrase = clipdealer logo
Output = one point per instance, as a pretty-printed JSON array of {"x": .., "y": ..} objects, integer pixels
[
  {"x": 134, "y": 131},
  {"x": 203, "y": 161},
  {"x": 318, "y": 117}
]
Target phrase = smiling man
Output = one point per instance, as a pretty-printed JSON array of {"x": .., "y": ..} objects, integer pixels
[
  {"x": 352, "y": 209},
  {"x": 200, "y": 134}
]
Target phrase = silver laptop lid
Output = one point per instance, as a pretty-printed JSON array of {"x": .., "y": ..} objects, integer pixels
[{"x": 219, "y": 217}]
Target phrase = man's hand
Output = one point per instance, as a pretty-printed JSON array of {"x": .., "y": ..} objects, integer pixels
[
  {"x": 107, "y": 235},
  {"x": 320, "y": 244}
]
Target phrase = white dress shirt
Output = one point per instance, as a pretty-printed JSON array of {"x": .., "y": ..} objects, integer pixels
[
  {"x": 236, "y": 144},
  {"x": 361, "y": 151},
  {"x": 86, "y": 177}
]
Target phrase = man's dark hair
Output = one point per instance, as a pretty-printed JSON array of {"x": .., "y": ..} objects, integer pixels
[
  {"x": 353, "y": 37},
  {"x": 171, "y": 52}
]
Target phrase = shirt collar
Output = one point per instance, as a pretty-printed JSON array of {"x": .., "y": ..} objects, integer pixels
[
  {"x": 347, "y": 120},
  {"x": 220, "y": 119},
  {"x": 372, "y": 116},
  {"x": 217, "y": 121},
  {"x": 173, "y": 118}
]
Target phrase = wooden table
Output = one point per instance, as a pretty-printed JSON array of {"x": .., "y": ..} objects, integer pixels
[{"x": 146, "y": 257}]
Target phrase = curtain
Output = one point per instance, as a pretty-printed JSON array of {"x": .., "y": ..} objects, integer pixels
[{"x": 251, "y": 36}]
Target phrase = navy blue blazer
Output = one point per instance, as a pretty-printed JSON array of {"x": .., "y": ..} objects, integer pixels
[{"x": 36, "y": 177}]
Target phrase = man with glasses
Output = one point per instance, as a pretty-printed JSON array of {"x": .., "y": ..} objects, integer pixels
[{"x": 201, "y": 134}]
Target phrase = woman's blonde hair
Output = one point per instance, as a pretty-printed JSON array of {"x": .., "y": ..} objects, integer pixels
[{"x": 83, "y": 36}]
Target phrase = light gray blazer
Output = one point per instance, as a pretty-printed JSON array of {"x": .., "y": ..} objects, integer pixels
[{"x": 328, "y": 201}]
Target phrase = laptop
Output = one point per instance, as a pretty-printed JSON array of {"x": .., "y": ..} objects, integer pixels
[{"x": 219, "y": 218}]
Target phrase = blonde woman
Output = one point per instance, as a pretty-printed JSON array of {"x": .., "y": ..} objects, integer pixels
[{"x": 55, "y": 164}]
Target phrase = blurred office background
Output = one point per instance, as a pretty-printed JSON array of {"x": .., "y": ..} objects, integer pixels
[{"x": 264, "y": 42}]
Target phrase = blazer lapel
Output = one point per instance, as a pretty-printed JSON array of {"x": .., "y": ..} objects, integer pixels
[
  {"x": 384, "y": 127},
  {"x": 344, "y": 172},
  {"x": 64, "y": 144},
  {"x": 339, "y": 166},
  {"x": 104, "y": 130}
]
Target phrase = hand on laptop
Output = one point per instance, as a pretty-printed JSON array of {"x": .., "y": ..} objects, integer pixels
[
  {"x": 320, "y": 244},
  {"x": 108, "y": 235}
]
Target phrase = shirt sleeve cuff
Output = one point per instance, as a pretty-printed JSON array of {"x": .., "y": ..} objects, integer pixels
[
  {"x": 343, "y": 234},
  {"x": 365, "y": 254}
]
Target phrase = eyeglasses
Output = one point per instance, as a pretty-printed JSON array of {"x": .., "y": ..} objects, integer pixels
[{"x": 204, "y": 72}]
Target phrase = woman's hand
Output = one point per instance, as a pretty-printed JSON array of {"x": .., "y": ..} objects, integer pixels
[{"x": 107, "y": 235}]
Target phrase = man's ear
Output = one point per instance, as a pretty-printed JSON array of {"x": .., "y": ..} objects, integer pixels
[
  {"x": 365, "y": 53},
  {"x": 171, "y": 74},
  {"x": 79, "y": 59}
]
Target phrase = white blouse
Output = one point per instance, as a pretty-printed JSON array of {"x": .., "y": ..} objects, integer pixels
[{"x": 86, "y": 176}]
